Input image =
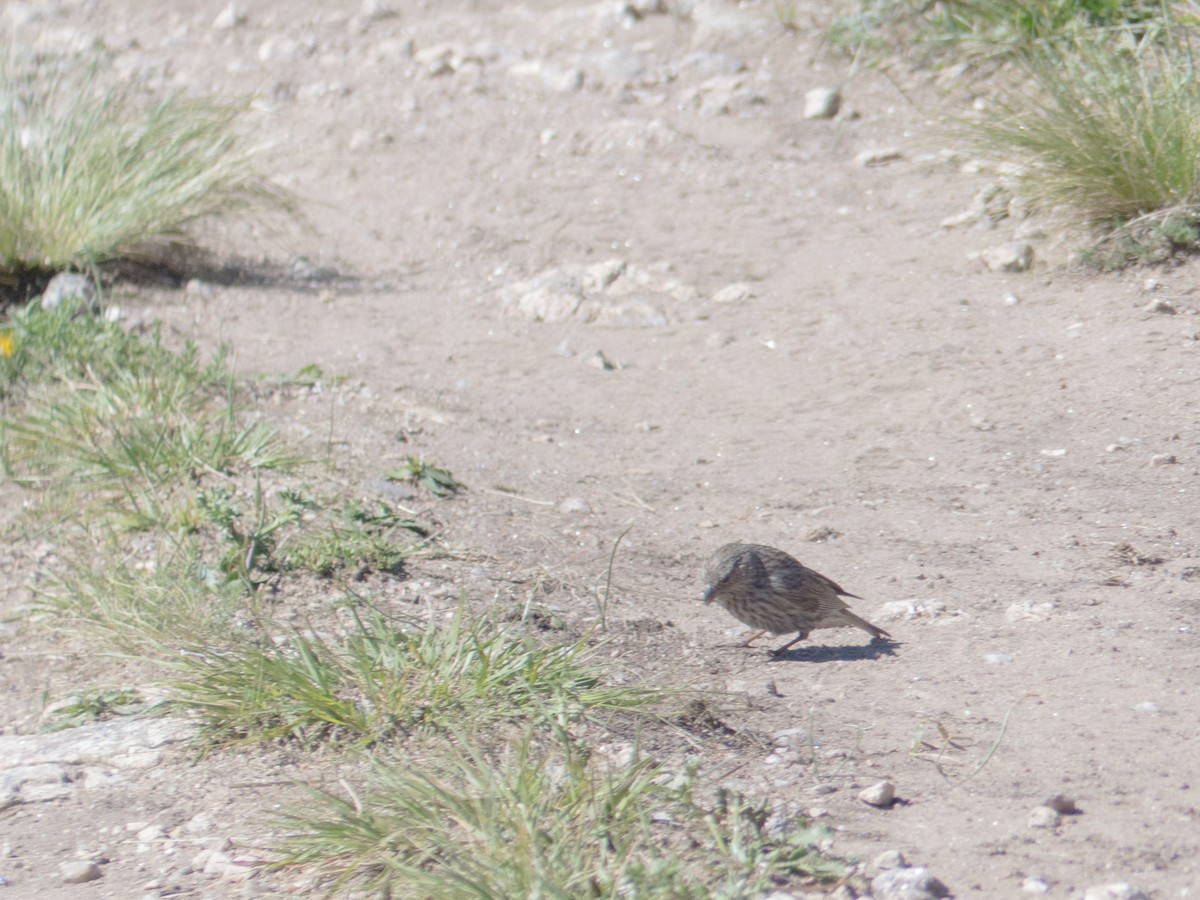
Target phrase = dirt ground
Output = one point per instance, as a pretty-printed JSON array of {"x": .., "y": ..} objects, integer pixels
[{"x": 795, "y": 353}]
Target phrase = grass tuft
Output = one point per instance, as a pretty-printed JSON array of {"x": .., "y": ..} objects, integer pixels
[
  {"x": 91, "y": 170},
  {"x": 546, "y": 820}
]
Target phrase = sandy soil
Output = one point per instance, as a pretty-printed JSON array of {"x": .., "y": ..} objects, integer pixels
[{"x": 873, "y": 400}]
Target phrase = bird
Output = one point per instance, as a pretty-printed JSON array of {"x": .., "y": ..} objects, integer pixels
[{"x": 772, "y": 591}]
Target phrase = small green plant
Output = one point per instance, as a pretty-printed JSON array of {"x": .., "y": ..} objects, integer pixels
[
  {"x": 438, "y": 482},
  {"x": 359, "y": 535},
  {"x": 97, "y": 706},
  {"x": 546, "y": 819},
  {"x": 90, "y": 170},
  {"x": 385, "y": 679}
]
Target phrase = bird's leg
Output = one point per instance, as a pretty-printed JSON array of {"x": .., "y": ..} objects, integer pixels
[
  {"x": 754, "y": 637},
  {"x": 801, "y": 635}
]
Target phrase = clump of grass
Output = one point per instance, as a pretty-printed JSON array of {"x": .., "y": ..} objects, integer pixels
[
  {"x": 124, "y": 416},
  {"x": 546, "y": 820},
  {"x": 361, "y": 536},
  {"x": 91, "y": 170},
  {"x": 386, "y": 679},
  {"x": 1109, "y": 134},
  {"x": 147, "y": 604},
  {"x": 94, "y": 706}
]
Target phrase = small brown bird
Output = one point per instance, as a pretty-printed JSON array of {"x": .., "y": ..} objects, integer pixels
[{"x": 770, "y": 590}]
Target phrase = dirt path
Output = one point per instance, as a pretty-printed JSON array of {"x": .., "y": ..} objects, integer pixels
[{"x": 871, "y": 399}]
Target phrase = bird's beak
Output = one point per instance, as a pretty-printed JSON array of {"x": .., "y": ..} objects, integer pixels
[{"x": 708, "y": 592}]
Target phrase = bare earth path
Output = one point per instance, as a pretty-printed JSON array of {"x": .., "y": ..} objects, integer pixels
[{"x": 870, "y": 386}]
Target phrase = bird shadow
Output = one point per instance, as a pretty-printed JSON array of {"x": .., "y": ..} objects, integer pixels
[{"x": 849, "y": 653}]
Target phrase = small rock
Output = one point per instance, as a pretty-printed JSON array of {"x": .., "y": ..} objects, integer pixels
[
  {"x": 304, "y": 269},
  {"x": 717, "y": 340},
  {"x": 1062, "y": 804},
  {"x": 907, "y": 884},
  {"x": 1015, "y": 256},
  {"x": 79, "y": 871},
  {"x": 564, "y": 349},
  {"x": 1029, "y": 611},
  {"x": 881, "y": 794},
  {"x": 1148, "y": 708},
  {"x": 1035, "y": 886},
  {"x": 69, "y": 287},
  {"x": 997, "y": 659},
  {"x": 1044, "y": 817},
  {"x": 1055, "y": 452},
  {"x": 1120, "y": 890},
  {"x": 599, "y": 361},
  {"x": 1162, "y": 459},
  {"x": 228, "y": 18},
  {"x": 822, "y": 103},
  {"x": 1011, "y": 299},
  {"x": 734, "y": 293},
  {"x": 888, "y": 859},
  {"x": 197, "y": 288},
  {"x": 574, "y": 505},
  {"x": 1161, "y": 305},
  {"x": 825, "y": 788},
  {"x": 880, "y": 157}
]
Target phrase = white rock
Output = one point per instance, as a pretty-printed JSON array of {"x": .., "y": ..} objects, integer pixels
[
  {"x": 907, "y": 884},
  {"x": 1120, "y": 890},
  {"x": 1015, "y": 256},
  {"x": 879, "y": 157},
  {"x": 574, "y": 505},
  {"x": 1029, "y": 611},
  {"x": 69, "y": 287},
  {"x": 228, "y": 18},
  {"x": 1162, "y": 459},
  {"x": 1148, "y": 708},
  {"x": 734, "y": 293},
  {"x": 888, "y": 859},
  {"x": 997, "y": 659},
  {"x": 881, "y": 794},
  {"x": 822, "y": 103},
  {"x": 1035, "y": 886},
  {"x": 1044, "y": 817},
  {"x": 79, "y": 871}
]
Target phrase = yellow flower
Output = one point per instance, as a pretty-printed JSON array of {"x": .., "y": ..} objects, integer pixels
[{"x": 7, "y": 344}]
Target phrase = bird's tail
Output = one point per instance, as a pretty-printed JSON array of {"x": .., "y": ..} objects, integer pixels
[{"x": 873, "y": 630}]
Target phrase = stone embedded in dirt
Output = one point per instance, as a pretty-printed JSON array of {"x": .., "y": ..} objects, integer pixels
[
  {"x": 879, "y": 157},
  {"x": 1044, "y": 817},
  {"x": 1062, "y": 804},
  {"x": 1162, "y": 459},
  {"x": 706, "y": 65},
  {"x": 229, "y": 17},
  {"x": 33, "y": 784},
  {"x": 1120, "y": 890},
  {"x": 907, "y": 610},
  {"x": 79, "y": 871},
  {"x": 69, "y": 287},
  {"x": 1011, "y": 299},
  {"x": 1148, "y": 708},
  {"x": 915, "y": 883},
  {"x": 605, "y": 293},
  {"x": 988, "y": 207},
  {"x": 881, "y": 794},
  {"x": 573, "y": 505},
  {"x": 1162, "y": 306},
  {"x": 997, "y": 659},
  {"x": 1015, "y": 256},
  {"x": 888, "y": 859},
  {"x": 822, "y": 103},
  {"x": 1029, "y": 611},
  {"x": 1035, "y": 885},
  {"x": 824, "y": 788},
  {"x": 599, "y": 361},
  {"x": 733, "y": 293}
]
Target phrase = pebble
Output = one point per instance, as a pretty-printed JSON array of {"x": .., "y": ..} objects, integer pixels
[
  {"x": 1119, "y": 890},
  {"x": 997, "y": 659},
  {"x": 888, "y": 859},
  {"x": 1044, "y": 817},
  {"x": 881, "y": 794},
  {"x": 1035, "y": 886},
  {"x": 824, "y": 788},
  {"x": 79, "y": 871},
  {"x": 1148, "y": 708},
  {"x": 1158, "y": 460},
  {"x": 822, "y": 103},
  {"x": 229, "y": 17},
  {"x": 574, "y": 505},
  {"x": 1011, "y": 299},
  {"x": 915, "y": 883},
  {"x": 734, "y": 293},
  {"x": 880, "y": 157},
  {"x": 599, "y": 361},
  {"x": 1015, "y": 256},
  {"x": 69, "y": 286},
  {"x": 1162, "y": 306}
]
